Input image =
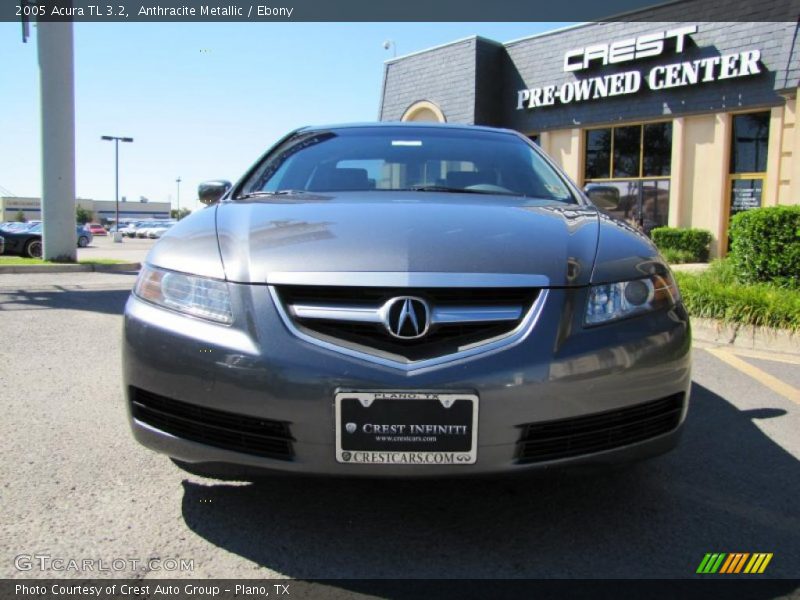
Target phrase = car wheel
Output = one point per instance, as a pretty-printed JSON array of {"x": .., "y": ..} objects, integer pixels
[
  {"x": 83, "y": 241},
  {"x": 33, "y": 249}
]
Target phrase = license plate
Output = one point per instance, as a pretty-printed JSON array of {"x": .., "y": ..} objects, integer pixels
[{"x": 406, "y": 428}]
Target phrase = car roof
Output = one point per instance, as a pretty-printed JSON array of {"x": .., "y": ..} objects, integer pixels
[{"x": 406, "y": 125}]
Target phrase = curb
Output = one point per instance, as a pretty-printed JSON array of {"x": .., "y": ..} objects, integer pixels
[
  {"x": 745, "y": 336},
  {"x": 690, "y": 267},
  {"x": 69, "y": 268}
]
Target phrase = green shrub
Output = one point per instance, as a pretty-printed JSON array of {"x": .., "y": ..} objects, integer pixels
[
  {"x": 695, "y": 242},
  {"x": 677, "y": 257},
  {"x": 709, "y": 295},
  {"x": 765, "y": 245},
  {"x": 722, "y": 270}
]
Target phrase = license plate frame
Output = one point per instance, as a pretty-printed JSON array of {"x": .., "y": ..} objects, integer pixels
[{"x": 454, "y": 428}]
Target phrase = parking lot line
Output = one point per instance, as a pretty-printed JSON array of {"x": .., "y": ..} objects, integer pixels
[
  {"x": 771, "y": 356},
  {"x": 776, "y": 385}
]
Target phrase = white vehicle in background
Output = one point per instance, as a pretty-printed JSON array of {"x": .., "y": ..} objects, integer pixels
[
  {"x": 130, "y": 229},
  {"x": 144, "y": 228},
  {"x": 156, "y": 232}
]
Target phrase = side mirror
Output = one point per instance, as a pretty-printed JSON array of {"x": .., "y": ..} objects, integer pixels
[{"x": 209, "y": 192}]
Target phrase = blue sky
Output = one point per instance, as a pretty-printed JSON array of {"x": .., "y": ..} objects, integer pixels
[{"x": 202, "y": 101}]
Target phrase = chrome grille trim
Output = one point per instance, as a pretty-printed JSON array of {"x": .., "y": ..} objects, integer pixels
[
  {"x": 490, "y": 346},
  {"x": 336, "y": 313},
  {"x": 416, "y": 279},
  {"x": 439, "y": 315},
  {"x": 475, "y": 314}
]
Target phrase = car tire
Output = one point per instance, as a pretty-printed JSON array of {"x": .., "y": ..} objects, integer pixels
[
  {"x": 83, "y": 241},
  {"x": 33, "y": 249}
]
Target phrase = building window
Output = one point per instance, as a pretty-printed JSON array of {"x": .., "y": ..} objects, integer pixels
[
  {"x": 424, "y": 112},
  {"x": 627, "y": 172},
  {"x": 598, "y": 153},
  {"x": 749, "y": 142},
  {"x": 657, "y": 150},
  {"x": 627, "y": 150}
]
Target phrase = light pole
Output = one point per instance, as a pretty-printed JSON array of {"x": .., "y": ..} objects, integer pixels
[
  {"x": 116, "y": 140},
  {"x": 178, "y": 181}
]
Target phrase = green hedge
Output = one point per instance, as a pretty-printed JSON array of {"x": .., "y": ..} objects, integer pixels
[
  {"x": 692, "y": 243},
  {"x": 765, "y": 245},
  {"x": 712, "y": 295},
  {"x": 677, "y": 257}
]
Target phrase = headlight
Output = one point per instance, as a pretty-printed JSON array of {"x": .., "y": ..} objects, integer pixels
[
  {"x": 196, "y": 296},
  {"x": 612, "y": 301}
]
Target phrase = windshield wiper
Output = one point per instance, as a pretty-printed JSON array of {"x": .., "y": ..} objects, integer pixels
[
  {"x": 442, "y": 188},
  {"x": 262, "y": 193},
  {"x": 455, "y": 190}
]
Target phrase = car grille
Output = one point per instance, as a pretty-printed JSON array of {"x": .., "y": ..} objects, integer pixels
[
  {"x": 441, "y": 339},
  {"x": 230, "y": 431},
  {"x": 565, "y": 438}
]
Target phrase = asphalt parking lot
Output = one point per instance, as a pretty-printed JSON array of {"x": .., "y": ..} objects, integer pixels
[
  {"x": 75, "y": 485},
  {"x": 129, "y": 250}
]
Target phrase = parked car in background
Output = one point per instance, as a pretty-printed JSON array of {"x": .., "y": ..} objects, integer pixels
[
  {"x": 96, "y": 229},
  {"x": 126, "y": 229},
  {"x": 141, "y": 231},
  {"x": 157, "y": 231},
  {"x": 17, "y": 225},
  {"x": 472, "y": 313},
  {"x": 28, "y": 241},
  {"x": 132, "y": 228},
  {"x": 85, "y": 236}
]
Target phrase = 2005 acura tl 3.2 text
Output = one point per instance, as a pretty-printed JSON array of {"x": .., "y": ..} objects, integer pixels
[{"x": 404, "y": 299}]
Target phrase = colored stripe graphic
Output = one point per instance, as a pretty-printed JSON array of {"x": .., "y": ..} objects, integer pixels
[
  {"x": 734, "y": 563},
  {"x": 741, "y": 562},
  {"x": 726, "y": 566},
  {"x": 758, "y": 563},
  {"x": 711, "y": 563}
]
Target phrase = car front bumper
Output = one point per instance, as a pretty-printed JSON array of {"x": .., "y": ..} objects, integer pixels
[{"x": 560, "y": 372}]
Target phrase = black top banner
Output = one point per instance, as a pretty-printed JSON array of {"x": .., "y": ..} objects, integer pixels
[{"x": 400, "y": 10}]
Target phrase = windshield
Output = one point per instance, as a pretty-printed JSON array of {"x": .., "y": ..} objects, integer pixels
[{"x": 406, "y": 158}]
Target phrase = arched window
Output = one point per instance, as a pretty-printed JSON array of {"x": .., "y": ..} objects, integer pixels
[{"x": 424, "y": 112}]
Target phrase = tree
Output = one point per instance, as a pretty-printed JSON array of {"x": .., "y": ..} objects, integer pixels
[
  {"x": 20, "y": 216},
  {"x": 175, "y": 214},
  {"x": 83, "y": 215}
]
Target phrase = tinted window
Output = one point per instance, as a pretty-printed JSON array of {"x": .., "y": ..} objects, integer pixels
[
  {"x": 639, "y": 151},
  {"x": 392, "y": 159},
  {"x": 598, "y": 153},
  {"x": 749, "y": 143},
  {"x": 627, "y": 142},
  {"x": 657, "y": 150}
]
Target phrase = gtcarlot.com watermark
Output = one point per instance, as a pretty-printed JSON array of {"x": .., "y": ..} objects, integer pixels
[{"x": 47, "y": 562}]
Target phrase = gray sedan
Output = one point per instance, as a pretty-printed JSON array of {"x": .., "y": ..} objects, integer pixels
[{"x": 404, "y": 300}]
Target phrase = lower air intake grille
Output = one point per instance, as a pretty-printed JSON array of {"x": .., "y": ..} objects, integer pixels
[
  {"x": 230, "y": 431},
  {"x": 565, "y": 438}
]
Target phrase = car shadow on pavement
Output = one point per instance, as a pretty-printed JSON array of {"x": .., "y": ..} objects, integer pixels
[
  {"x": 726, "y": 488},
  {"x": 106, "y": 301}
]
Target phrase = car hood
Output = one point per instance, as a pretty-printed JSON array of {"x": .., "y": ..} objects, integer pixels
[{"x": 406, "y": 232}]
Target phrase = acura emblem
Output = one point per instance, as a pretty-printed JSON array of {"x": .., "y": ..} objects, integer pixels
[{"x": 406, "y": 317}]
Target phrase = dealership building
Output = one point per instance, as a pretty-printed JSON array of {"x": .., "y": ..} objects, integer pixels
[
  {"x": 103, "y": 210},
  {"x": 662, "y": 122}
]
